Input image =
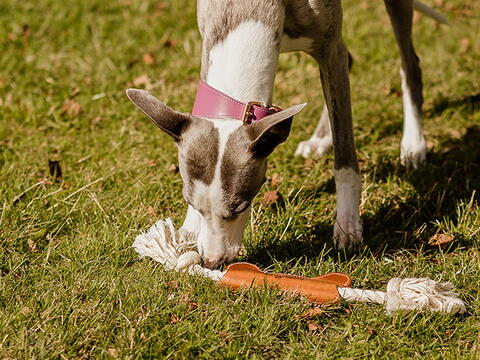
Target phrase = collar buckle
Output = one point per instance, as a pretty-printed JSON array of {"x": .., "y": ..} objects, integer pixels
[{"x": 249, "y": 111}]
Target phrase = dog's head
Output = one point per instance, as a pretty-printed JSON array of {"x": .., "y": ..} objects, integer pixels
[{"x": 222, "y": 164}]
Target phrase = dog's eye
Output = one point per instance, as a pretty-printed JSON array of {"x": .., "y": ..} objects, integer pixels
[
  {"x": 238, "y": 210},
  {"x": 229, "y": 217},
  {"x": 242, "y": 207}
]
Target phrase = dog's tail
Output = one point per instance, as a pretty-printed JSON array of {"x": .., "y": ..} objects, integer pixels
[{"x": 424, "y": 9}]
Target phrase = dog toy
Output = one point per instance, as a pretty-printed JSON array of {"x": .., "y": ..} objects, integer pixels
[{"x": 176, "y": 250}]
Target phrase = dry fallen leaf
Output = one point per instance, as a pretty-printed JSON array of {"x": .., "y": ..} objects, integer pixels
[
  {"x": 225, "y": 336},
  {"x": 142, "y": 80},
  {"x": 312, "y": 325},
  {"x": 440, "y": 239},
  {"x": 113, "y": 352},
  {"x": 151, "y": 211},
  {"x": 32, "y": 245},
  {"x": 173, "y": 168},
  {"x": 170, "y": 43},
  {"x": 174, "y": 319},
  {"x": 72, "y": 108},
  {"x": 309, "y": 163},
  {"x": 464, "y": 45},
  {"x": 272, "y": 197},
  {"x": 150, "y": 163},
  {"x": 312, "y": 312},
  {"x": 192, "y": 305},
  {"x": 148, "y": 59},
  {"x": 25, "y": 310},
  {"x": 174, "y": 285}
]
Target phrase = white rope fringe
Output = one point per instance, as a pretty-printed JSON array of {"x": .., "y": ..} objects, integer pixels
[
  {"x": 174, "y": 249},
  {"x": 410, "y": 294}
]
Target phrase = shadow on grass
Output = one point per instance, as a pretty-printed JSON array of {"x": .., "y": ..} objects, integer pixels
[
  {"x": 470, "y": 102},
  {"x": 312, "y": 247},
  {"x": 451, "y": 175}
]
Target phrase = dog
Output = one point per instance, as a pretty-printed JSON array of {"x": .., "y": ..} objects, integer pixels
[{"x": 223, "y": 160}]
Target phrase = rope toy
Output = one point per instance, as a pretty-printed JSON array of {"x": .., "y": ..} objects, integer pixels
[{"x": 176, "y": 250}]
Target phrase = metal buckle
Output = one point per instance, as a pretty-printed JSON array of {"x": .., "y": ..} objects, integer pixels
[
  {"x": 249, "y": 111},
  {"x": 274, "y": 109}
]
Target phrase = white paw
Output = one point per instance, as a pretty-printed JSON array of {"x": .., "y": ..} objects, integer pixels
[
  {"x": 347, "y": 232},
  {"x": 413, "y": 153},
  {"x": 314, "y": 146}
]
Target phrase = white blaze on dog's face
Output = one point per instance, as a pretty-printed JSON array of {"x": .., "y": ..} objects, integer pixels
[
  {"x": 222, "y": 164},
  {"x": 220, "y": 178}
]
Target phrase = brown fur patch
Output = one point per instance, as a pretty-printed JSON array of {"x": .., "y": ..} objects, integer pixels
[
  {"x": 242, "y": 173},
  {"x": 198, "y": 152}
]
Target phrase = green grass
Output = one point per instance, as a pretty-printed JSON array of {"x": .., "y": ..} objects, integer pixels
[{"x": 71, "y": 286}]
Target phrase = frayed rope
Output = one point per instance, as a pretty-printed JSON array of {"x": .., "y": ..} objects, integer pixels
[
  {"x": 174, "y": 249},
  {"x": 177, "y": 250}
]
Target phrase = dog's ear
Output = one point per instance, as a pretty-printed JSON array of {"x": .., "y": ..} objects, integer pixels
[
  {"x": 167, "y": 119},
  {"x": 271, "y": 131}
]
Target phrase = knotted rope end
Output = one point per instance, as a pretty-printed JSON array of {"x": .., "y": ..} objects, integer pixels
[{"x": 422, "y": 294}]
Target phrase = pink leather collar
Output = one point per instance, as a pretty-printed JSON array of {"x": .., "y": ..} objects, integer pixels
[{"x": 211, "y": 103}]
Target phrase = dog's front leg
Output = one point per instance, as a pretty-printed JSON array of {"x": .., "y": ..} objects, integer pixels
[{"x": 333, "y": 63}]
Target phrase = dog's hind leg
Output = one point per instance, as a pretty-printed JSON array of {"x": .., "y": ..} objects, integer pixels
[
  {"x": 413, "y": 148},
  {"x": 321, "y": 140}
]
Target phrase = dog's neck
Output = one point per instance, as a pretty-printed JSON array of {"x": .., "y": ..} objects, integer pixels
[{"x": 243, "y": 64}]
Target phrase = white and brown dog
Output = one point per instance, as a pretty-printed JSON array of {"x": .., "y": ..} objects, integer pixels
[{"x": 222, "y": 159}]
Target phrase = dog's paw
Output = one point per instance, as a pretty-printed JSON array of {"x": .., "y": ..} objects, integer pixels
[
  {"x": 314, "y": 147},
  {"x": 347, "y": 232},
  {"x": 413, "y": 152}
]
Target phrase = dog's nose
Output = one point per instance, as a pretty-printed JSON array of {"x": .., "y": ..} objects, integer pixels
[{"x": 214, "y": 260}]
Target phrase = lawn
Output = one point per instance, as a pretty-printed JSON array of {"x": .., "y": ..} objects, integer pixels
[{"x": 82, "y": 172}]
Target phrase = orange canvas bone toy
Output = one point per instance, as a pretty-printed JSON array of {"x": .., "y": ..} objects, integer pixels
[
  {"x": 176, "y": 250},
  {"x": 322, "y": 289}
]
